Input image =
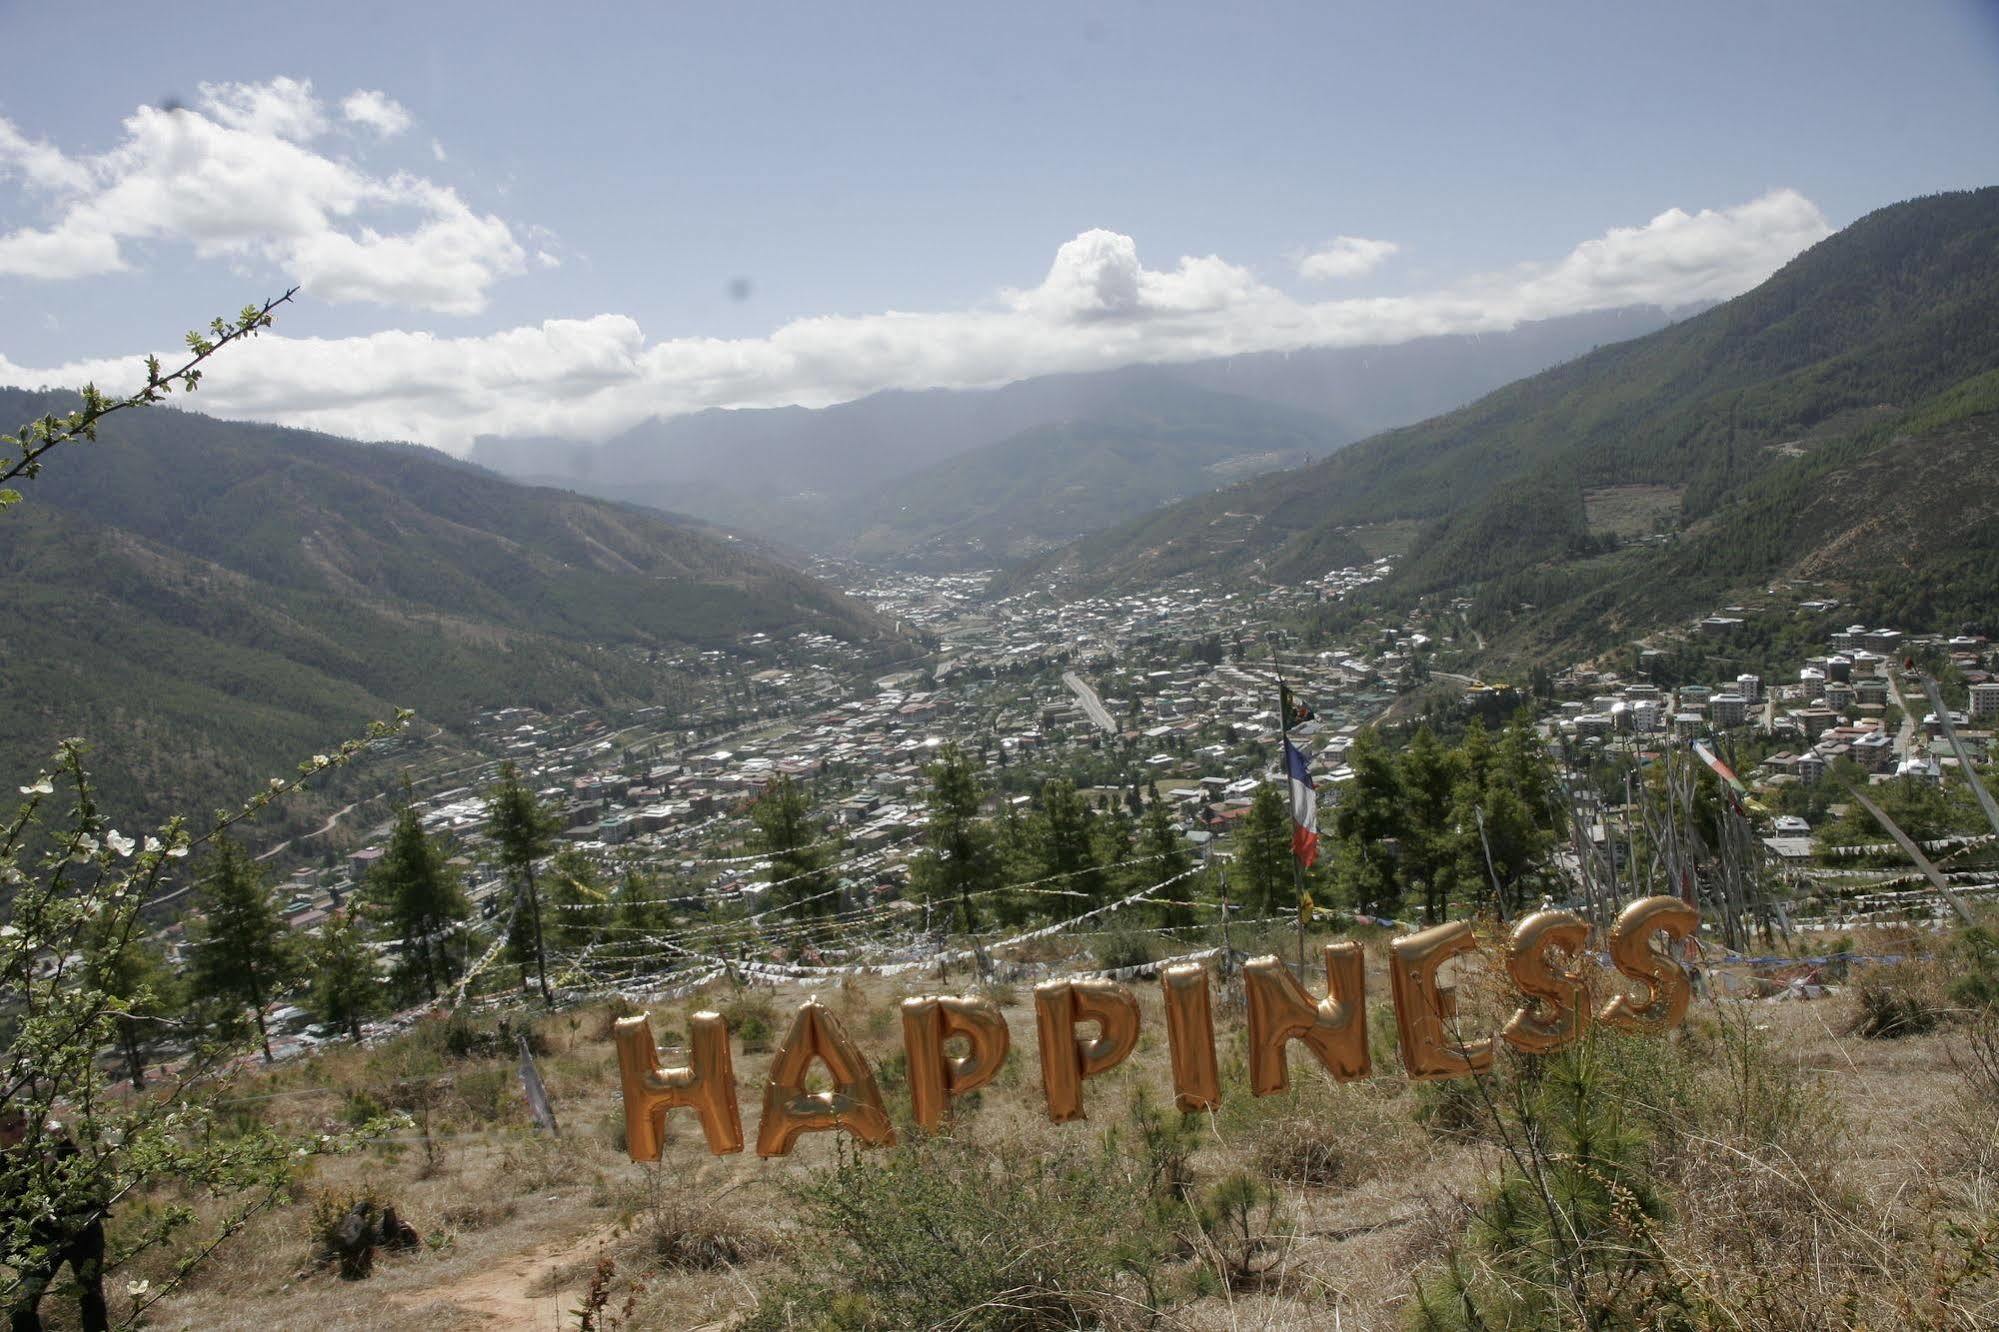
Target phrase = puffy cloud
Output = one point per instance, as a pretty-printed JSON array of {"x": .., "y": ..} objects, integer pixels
[
  {"x": 1098, "y": 306},
  {"x": 1345, "y": 257},
  {"x": 281, "y": 109},
  {"x": 1680, "y": 257},
  {"x": 376, "y": 111},
  {"x": 237, "y": 177},
  {"x": 42, "y": 164}
]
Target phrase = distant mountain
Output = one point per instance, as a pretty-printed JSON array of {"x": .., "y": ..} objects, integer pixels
[
  {"x": 813, "y": 476},
  {"x": 1163, "y": 441},
  {"x": 207, "y": 599},
  {"x": 1837, "y": 422}
]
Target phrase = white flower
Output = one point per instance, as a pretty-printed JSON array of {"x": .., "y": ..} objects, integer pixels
[
  {"x": 136, "y": 1288},
  {"x": 277, "y": 783},
  {"x": 118, "y": 842},
  {"x": 8, "y": 932},
  {"x": 178, "y": 852},
  {"x": 86, "y": 846},
  {"x": 41, "y": 787},
  {"x": 320, "y": 760},
  {"x": 152, "y": 844}
]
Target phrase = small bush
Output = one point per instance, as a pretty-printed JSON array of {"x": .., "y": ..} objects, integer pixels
[
  {"x": 486, "y": 1093},
  {"x": 941, "y": 1232},
  {"x": 1887, "y": 1003},
  {"x": 1319, "y": 1135},
  {"x": 685, "y": 1234},
  {"x": 1125, "y": 948},
  {"x": 752, "y": 1018}
]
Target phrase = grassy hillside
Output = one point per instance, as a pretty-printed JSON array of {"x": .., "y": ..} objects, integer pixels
[
  {"x": 209, "y": 602},
  {"x": 1877, "y": 339}
]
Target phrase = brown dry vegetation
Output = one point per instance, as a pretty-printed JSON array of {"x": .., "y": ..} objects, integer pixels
[{"x": 1805, "y": 1176}]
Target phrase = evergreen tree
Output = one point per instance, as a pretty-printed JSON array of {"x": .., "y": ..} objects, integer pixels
[
  {"x": 524, "y": 833},
  {"x": 961, "y": 856},
  {"x": 1113, "y": 839},
  {"x": 1017, "y": 849},
  {"x": 1160, "y": 839},
  {"x": 345, "y": 988},
  {"x": 1263, "y": 855},
  {"x": 243, "y": 955},
  {"x": 1367, "y": 817},
  {"x": 1430, "y": 846},
  {"x": 132, "y": 972},
  {"x": 579, "y": 905},
  {"x": 1064, "y": 824},
  {"x": 789, "y": 835},
  {"x": 421, "y": 898}
]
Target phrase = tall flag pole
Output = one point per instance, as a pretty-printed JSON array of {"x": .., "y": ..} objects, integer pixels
[{"x": 1304, "y": 800}]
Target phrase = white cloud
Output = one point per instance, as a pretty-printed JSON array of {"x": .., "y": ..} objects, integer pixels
[
  {"x": 1098, "y": 306},
  {"x": 40, "y": 163},
  {"x": 236, "y": 177},
  {"x": 437, "y": 151},
  {"x": 283, "y": 108},
  {"x": 376, "y": 111},
  {"x": 1346, "y": 257}
]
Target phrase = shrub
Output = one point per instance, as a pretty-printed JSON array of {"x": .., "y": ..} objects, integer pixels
[
  {"x": 1891, "y": 1002},
  {"x": 1568, "y": 1236},
  {"x": 752, "y": 1017},
  {"x": 941, "y": 1232},
  {"x": 1242, "y": 1219},
  {"x": 1125, "y": 948},
  {"x": 1321, "y": 1135}
]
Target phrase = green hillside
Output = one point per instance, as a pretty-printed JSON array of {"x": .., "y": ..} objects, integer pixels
[
  {"x": 1858, "y": 358},
  {"x": 209, "y": 601}
]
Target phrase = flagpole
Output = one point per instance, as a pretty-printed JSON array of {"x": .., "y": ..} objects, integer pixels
[{"x": 1284, "y": 764}]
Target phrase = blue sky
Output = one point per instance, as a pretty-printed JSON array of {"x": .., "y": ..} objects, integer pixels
[{"x": 590, "y": 213}]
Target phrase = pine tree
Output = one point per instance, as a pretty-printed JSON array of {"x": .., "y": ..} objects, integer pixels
[
  {"x": 1263, "y": 855},
  {"x": 1428, "y": 778},
  {"x": 421, "y": 898},
  {"x": 1368, "y": 815},
  {"x": 1160, "y": 839},
  {"x": 789, "y": 835},
  {"x": 131, "y": 970},
  {"x": 960, "y": 860},
  {"x": 1064, "y": 825},
  {"x": 345, "y": 987},
  {"x": 243, "y": 955},
  {"x": 524, "y": 833},
  {"x": 578, "y": 902}
]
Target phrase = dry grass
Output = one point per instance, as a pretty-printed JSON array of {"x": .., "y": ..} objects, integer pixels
[{"x": 1815, "y": 1179}]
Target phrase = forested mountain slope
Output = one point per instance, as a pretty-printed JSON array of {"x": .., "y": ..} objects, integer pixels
[
  {"x": 1743, "y": 423},
  {"x": 206, "y": 599}
]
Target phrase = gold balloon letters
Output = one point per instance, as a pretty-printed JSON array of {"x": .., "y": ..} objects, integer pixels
[
  {"x": 1423, "y": 1006},
  {"x": 707, "y": 1086},
  {"x": 854, "y": 1104},
  {"x": 1558, "y": 999},
  {"x": 1066, "y": 1058},
  {"x": 1664, "y": 980},
  {"x": 935, "y": 1078},
  {"x": 1335, "y": 1029},
  {"x": 1543, "y": 956},
  {"x": 1190, "y": 1037}
]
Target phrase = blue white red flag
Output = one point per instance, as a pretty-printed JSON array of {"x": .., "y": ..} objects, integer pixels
[{"x": 1304, "y": 807}]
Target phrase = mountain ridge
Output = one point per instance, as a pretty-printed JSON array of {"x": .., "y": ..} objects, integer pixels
[
  {"x": 245, "y": 594},
  {"x": 1842, "y": 349},
  {"x": 810, "y": 473}
]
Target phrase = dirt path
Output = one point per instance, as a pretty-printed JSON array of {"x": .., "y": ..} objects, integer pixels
[{"x": 506, "y": 1294}]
